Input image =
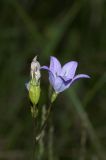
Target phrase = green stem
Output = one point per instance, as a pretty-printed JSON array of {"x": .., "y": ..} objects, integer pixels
[
  {"x": 35, "y": 126},
  {"x": 45, "y": 122},
  {"x": 50, "y": 140},
  {"x": 41, "y": 141},
  {"x": 34, "y": 142}
]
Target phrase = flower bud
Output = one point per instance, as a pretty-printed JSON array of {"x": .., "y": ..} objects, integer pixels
[
  {"x": 34, "y": 91},
  {"x": 33, "y": 86}
]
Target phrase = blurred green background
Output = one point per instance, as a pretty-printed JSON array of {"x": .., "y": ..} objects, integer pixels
[{"x": 69, "y": 30}]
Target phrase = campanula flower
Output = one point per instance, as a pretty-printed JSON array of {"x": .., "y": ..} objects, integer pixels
[{"x": 60, "y": 77}]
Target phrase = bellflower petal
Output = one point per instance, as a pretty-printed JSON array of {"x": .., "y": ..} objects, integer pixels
[
  {"x": 69, "y": 82},
  {"x": 69, "y": 69},
  {"x": 58, "y": 84},
  {"x": 51, "y": 75},
  {"x": 45, "y": 67},
  {"x": 61, "y": 85},
  {"x": 51, "y": 78},
  {"x": 65, "y": 78},
  {"x": 55, "y": 65},
  {"x": 79, "y": 76}
]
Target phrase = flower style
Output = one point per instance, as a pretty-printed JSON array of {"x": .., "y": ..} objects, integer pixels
[{"x": 62, "y": 78}]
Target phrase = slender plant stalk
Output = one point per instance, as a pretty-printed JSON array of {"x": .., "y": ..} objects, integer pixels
[
  {"x": 35, "y": 128},
  {"x": 45, "y": 122},
  {"x": 34, "y": 141},
  {"x": 41, "y": 140},
  {"x": 50, "y": 140},
  {"x": 34, "y": 133}
]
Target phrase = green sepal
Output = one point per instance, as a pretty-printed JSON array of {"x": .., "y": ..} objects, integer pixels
[
  {"x": 53, "y": 97},
  {"x": 34, "y": 91}
]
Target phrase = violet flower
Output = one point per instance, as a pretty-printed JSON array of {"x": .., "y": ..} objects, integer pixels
[{"x": 62, "y": 78}]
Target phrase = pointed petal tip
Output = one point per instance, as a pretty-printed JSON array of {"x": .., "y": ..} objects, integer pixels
[
  {"x": 79, "y": 76},
  {"x": 44, "y": 67},
  {"x": 74, "y": 62},
  {"x": 55, "y": 65},
  {"x": 87, "y": 76},
  {"x": 53, "y": 58},
  {"x": 70, "y": 62}
]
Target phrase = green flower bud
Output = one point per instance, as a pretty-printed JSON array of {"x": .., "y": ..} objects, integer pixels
[
  {"x": 34, "y": 91},
  {"x": 53, "y": 97}
]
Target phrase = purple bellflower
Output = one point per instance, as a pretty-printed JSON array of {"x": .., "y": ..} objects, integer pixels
[{"x": 60, "y": 77}]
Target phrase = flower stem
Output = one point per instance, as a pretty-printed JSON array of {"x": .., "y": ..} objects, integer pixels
[
  {"x": 41, "y": 141},
  {"x": 34, "y": 142},
  {"x": 45, "y": 122},
  {"x": 50, "y": 140},
  {"x": 35, "y": 126}
]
